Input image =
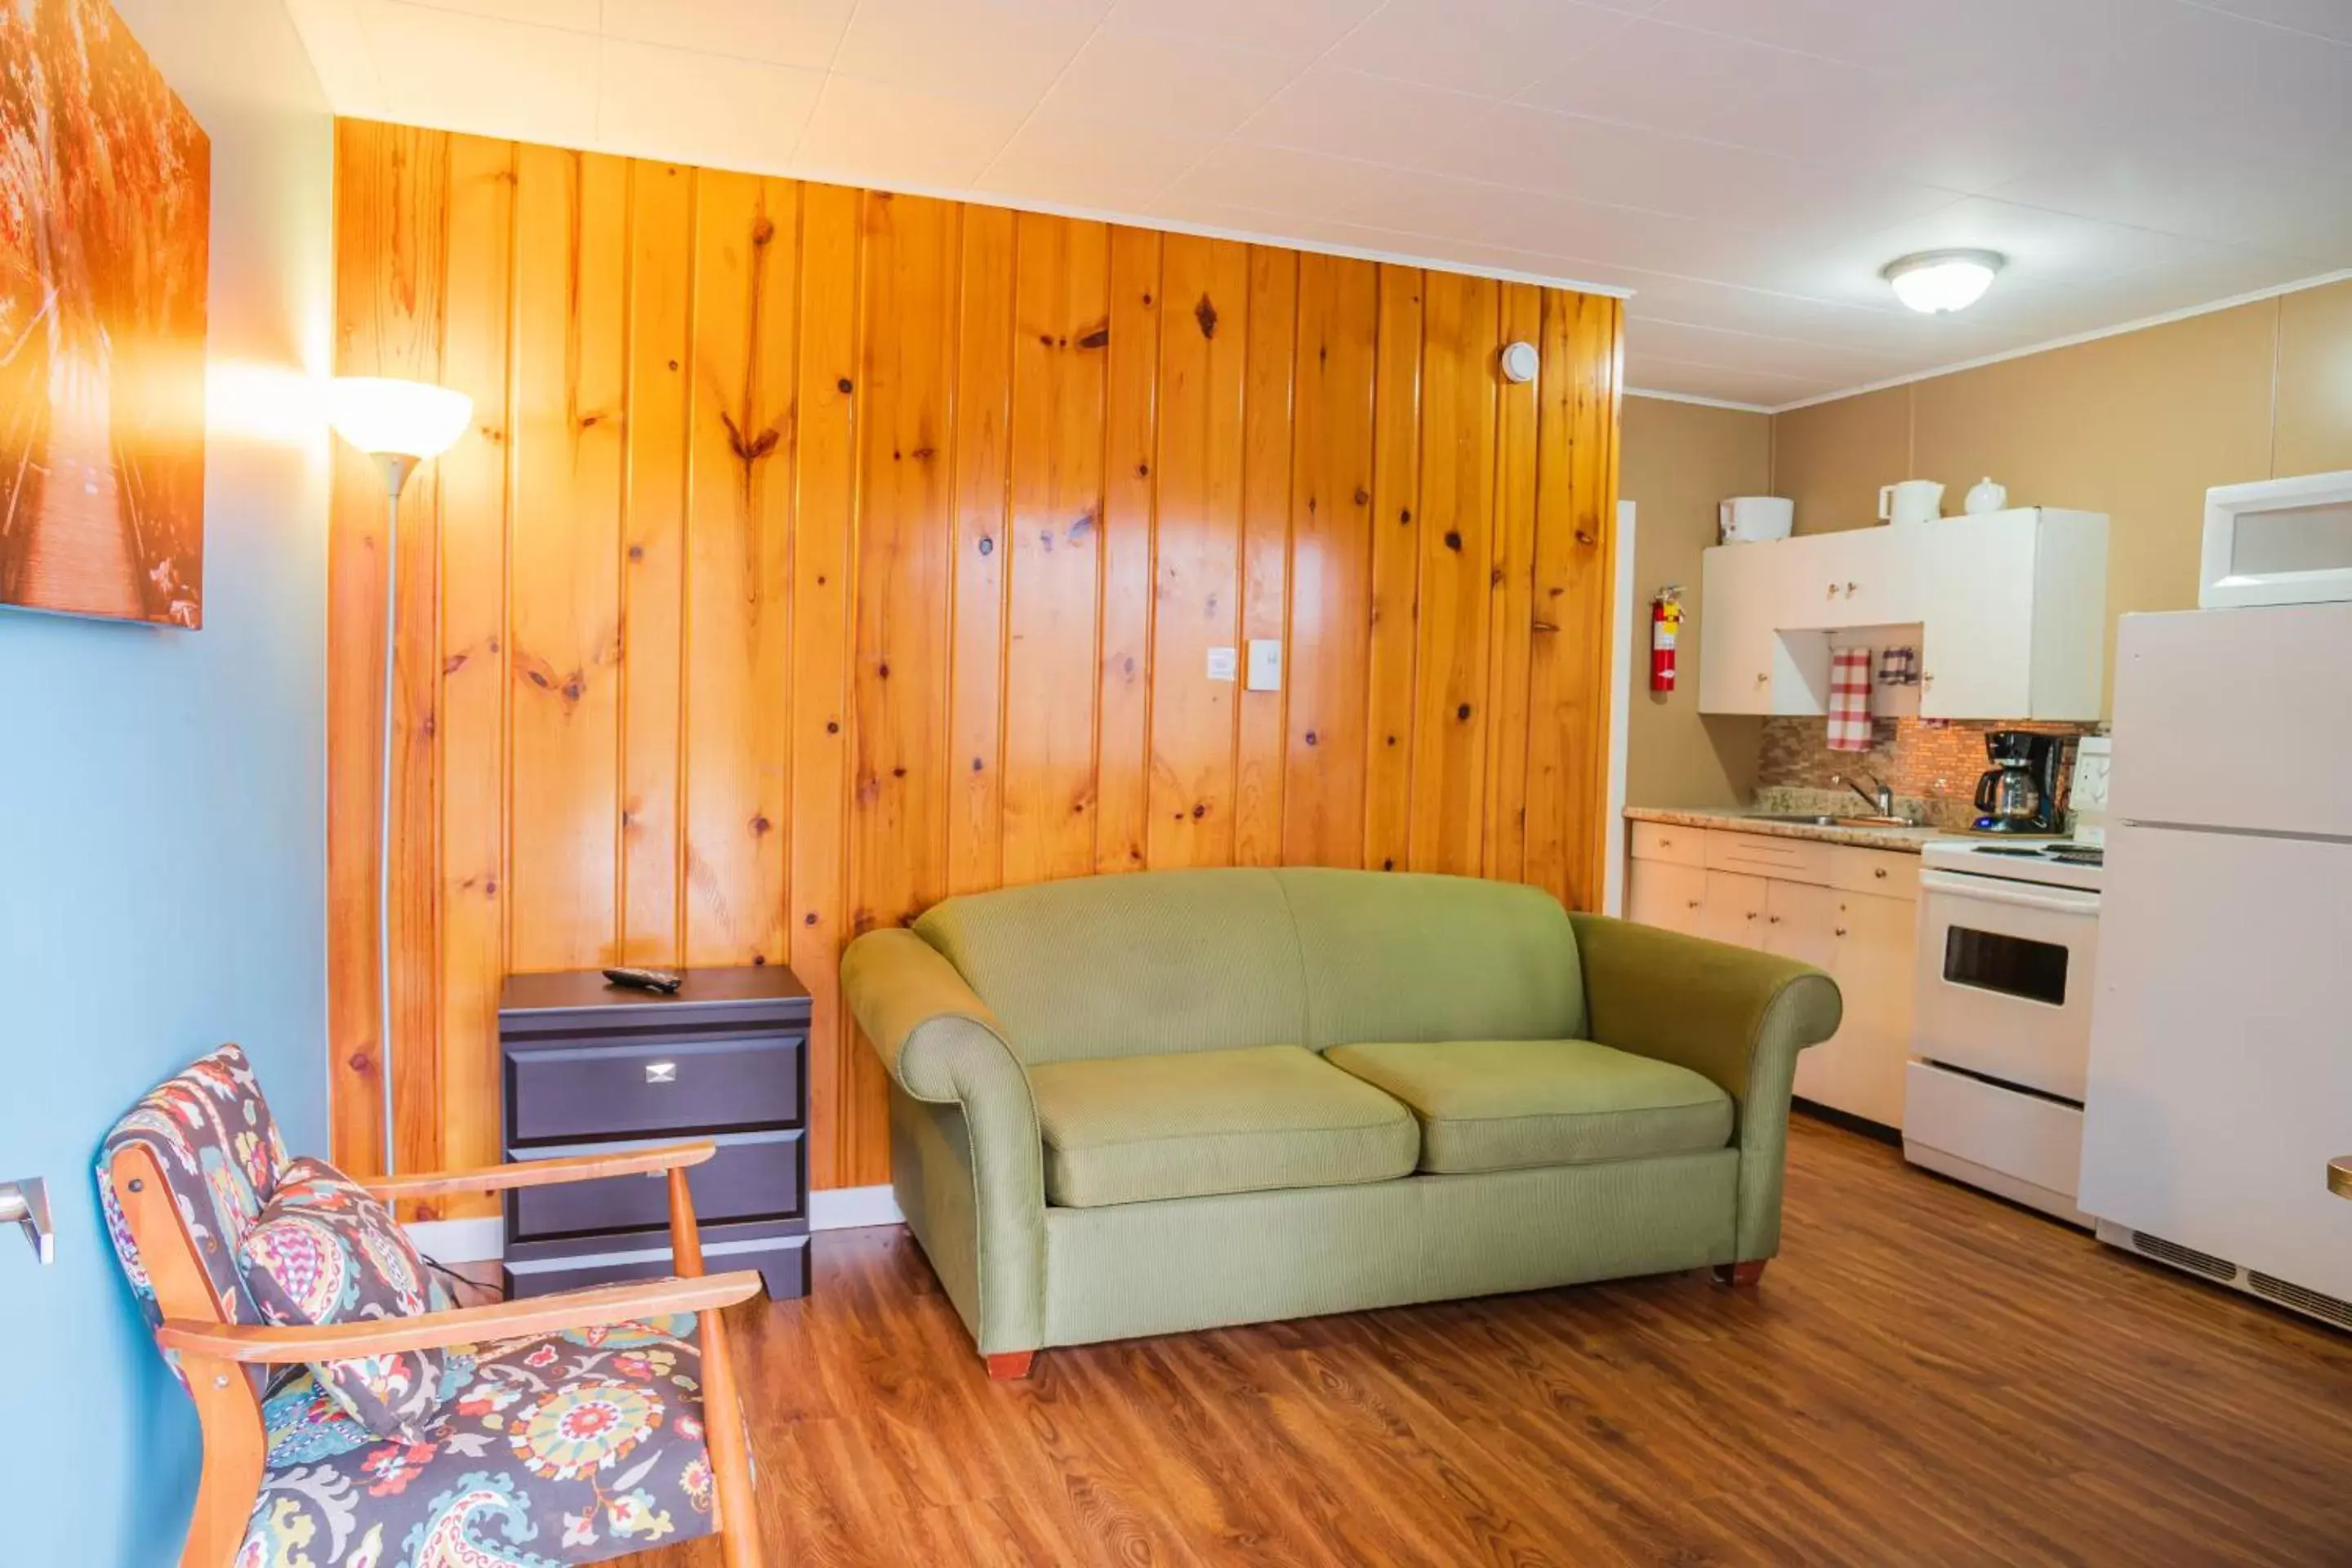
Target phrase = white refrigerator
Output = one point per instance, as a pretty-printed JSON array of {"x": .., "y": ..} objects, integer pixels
[{"x": 2220, "y": 1072}]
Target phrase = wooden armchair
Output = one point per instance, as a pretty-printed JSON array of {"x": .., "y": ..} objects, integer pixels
[{"x": 178, "y": 1201}]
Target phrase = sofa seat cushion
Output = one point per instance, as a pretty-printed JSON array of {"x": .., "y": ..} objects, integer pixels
[
  {"x": 1502, "y": 1105},
  {"x": 1128, "y": 1129}
]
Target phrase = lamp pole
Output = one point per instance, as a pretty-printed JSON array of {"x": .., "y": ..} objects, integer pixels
[{"x": 396, "y": 468}]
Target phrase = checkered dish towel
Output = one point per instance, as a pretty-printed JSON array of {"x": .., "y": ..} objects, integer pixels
[{"x": 1849, "y": 699}]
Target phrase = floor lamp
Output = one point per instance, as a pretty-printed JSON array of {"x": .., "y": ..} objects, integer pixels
[{"x": 398, "y": 424}]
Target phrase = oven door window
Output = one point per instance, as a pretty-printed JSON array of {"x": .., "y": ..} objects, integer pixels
[{"x": 2010, "y": 966}]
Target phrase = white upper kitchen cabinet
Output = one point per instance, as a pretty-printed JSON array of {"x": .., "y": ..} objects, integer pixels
[
  {"x": 1745, "y": 664},
  {"x": 2007, "y": 610}
]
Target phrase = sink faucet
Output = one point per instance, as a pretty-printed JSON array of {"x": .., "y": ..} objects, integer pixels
[{"x": 1883, "y": 803}]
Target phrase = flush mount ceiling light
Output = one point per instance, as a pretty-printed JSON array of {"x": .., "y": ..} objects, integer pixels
[{"x": 1937, "y": 281}]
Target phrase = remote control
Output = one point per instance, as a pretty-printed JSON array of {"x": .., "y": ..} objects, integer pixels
[{"x": 664, "y": 981}]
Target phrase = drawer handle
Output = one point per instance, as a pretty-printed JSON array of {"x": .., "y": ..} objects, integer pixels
[
  {"x": 661, "y": 1072},
  {"x": 1879, "y": 872}
]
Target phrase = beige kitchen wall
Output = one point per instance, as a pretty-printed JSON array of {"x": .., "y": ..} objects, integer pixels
[
  {"x": 1678, "y": 460},
  {"x": 2137, "y": 426}
]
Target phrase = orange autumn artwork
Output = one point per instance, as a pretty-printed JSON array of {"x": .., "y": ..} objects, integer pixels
[{"x": 105, "y": 201}]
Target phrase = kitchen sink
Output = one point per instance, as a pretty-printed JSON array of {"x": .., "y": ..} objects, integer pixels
[{"x": 1825, "y": 819}]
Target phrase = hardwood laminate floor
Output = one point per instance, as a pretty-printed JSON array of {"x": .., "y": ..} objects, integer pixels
[{"x": 1926, "y": 1376}]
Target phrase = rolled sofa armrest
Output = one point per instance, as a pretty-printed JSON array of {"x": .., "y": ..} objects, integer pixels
[
  {"x": 1734, "y": 1015},
  {"x": 942, "y": 1045}
]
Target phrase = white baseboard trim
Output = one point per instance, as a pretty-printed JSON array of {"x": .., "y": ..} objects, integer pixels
[
  {"x": 484, "y": 1240},
  {"x": 459, "y": 1240},
  {"x": 848, "y": 1208}
]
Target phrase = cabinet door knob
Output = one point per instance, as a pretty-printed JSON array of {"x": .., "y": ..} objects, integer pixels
[
  {"x": 1693, "y": 904},
  {"x": 1773, "y": 920},
  {"x": 1762, "y": 676},
  {"x": 1751, "y": 914},
  {"x": 1927, "y": 680},
  {"x": 1841, "y": 930},
  {"x": 1833, "y": 590},
  {"x": 1879, "y": 872},
  {"x": 1849, "y": 590}
]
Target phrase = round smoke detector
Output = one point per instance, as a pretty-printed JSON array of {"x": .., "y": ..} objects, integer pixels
[{"x": 1521, "y": 362}]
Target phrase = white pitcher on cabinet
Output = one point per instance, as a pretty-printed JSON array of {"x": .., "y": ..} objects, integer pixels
[{"x": 1912, "y": 500}]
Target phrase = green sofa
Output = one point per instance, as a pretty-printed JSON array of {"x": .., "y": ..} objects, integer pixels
[{"x": 1140, "y": 1104}]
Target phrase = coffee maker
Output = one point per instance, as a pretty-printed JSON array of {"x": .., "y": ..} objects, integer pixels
[{"x": 2018, "y": 794}]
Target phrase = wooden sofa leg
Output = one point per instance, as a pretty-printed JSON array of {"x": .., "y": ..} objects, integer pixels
[
  {"x": 1740, "y": 1276},
  {"x": 1010, "y": 1365}
]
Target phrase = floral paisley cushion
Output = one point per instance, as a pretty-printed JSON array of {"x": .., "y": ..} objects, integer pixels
[
  {"x": 214, "y": 1140},
  {"x": 556, "y": 1449},
  {"x": 325, "y": 1251}
]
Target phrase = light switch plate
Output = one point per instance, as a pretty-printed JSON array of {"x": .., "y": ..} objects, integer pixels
[
  {"x": 1265, "y": 664},
  {"x": 1222, "y": 663}
]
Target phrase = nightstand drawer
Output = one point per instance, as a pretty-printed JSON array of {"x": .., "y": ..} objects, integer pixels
[
  {"x": 754, "y": 1177},
  {"x": 611, "y": 1091}
]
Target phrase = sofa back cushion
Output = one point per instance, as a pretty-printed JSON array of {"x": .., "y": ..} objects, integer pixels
[
  {"x": 1149, "y": 963},
  {"x": 1139, "y": 964},
  {"x": 1398, "y": 956}
]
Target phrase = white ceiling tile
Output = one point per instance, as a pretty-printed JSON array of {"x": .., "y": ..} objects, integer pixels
[
  {"x": 1626, "y": 166},
  {"x": 1110, "y": 168},
  {"x": 1659, "y": 372},
  {"x": 1651, "y": 74},
  {"x": 1592, "y": 231},
  {"x": 579, "y": 15},
  {"x": 1754, "y": 351},
  {"x": 790, "y": 32},
  {"x": 1174, "y": 83},
  {"x": 2326, "y": 18},
  {"x": 2229, "y": 195},
  {"x": 1278, "y": 180},
  {"x": 1806, "y": 108},
  {"x": 1440, "y": 207},
  {"x": 476, "y": 74},
  {"x": 882, "y": 134},
  {"x": 340, "y": 52},
  {"x": 1004, "y": 51},
  {"x": 693, "y": 108},
  {"x": 1296, "y": 31},
  {"x": 1981, "y": 46},
  {"x": 1494, "y": 47},
  {"x": 1350, "y": 114}
]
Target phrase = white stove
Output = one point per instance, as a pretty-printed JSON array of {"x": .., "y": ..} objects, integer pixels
[{"x": 2007, "y": 950}]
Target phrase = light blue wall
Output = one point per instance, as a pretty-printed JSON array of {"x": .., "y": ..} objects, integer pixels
[{"x": 162, "y": 826}]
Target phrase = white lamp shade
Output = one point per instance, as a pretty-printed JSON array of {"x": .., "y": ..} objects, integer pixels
[
  {"x": 1942, "y": 280},
  {"x": 389, "y": 419}
]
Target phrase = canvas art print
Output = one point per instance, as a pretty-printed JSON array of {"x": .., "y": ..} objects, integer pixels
[{"x": 105, "y": 200}]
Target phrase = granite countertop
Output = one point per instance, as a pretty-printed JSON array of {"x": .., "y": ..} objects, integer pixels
[{"x": 1905, "y": 840}]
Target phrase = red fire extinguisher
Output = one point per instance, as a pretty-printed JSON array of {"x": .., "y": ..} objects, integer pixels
[{"x": 1665, "y": 629}]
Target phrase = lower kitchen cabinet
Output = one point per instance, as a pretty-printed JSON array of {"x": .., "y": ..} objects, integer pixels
[{"x": 1806, "y": 909}]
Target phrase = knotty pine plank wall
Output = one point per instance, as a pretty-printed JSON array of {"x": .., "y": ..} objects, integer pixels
[{"x": 819, "y": 553}]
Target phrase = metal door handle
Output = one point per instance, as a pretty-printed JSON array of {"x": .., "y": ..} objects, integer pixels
[
  {"x": 661, "y": 1072},
  {"x": 27, "y": 1203}
]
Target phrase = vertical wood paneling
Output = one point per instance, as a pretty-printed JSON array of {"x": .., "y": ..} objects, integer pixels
[
  {"x": 1457, "y": 504},
  {"x": 897, "y": 831},
  {"x": 1575, "y": 576},
  {"x": 1130, "y": 423},
  {"x": 653, "y": 560},
  {"x": 1265, "y": 547},
  {"x": 391, "y": 261},
  {"x": 1203, "y": 357},
  {"x": 566, "y": 435},
  {"x": 1330, "y": 562},
  {"x": 820, "y": 553},
  {"x": 982, "y": 436},
  {"x": 473, "y": 790},
  {"x": 737, "y": 685},
  {"x": 824, "y": 513},
  {"x": 1396, "y": 570},
  {"x": 1511, "y": 595},
  {"x": 1062, "y": 280}
]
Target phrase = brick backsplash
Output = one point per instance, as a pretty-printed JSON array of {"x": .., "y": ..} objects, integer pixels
[{"x": 1933, "y": 761}]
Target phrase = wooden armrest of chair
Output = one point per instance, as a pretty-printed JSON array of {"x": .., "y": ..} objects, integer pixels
[
  {"x": 605, "y": 1305},
  {"x": 542, "y": 1173}
]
